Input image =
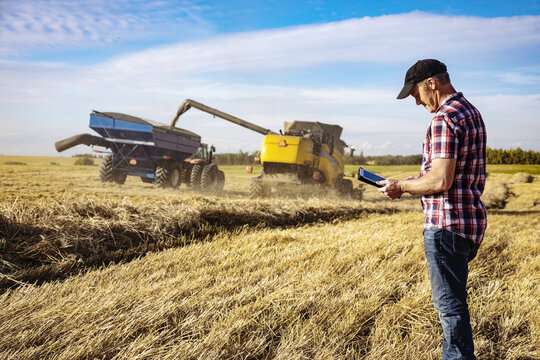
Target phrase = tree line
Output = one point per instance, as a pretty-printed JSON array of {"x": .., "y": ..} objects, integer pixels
[
  {"x": 512, "y": 156},
  {"x": 239, "y": 158},
  {"x": 245, "y": 158},
  {"x": 493, "y": 156}
]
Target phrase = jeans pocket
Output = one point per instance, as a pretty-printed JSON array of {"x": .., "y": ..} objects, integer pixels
[{"x": 461, "y": 245}]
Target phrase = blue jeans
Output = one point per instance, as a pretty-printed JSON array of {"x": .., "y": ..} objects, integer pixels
[{"x": 448, "y": 256}]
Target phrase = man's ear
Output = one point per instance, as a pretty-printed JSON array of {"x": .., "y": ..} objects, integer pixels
[{"x": 431, "y": 83}]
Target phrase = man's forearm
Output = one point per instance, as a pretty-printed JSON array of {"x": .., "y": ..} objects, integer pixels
[
  {"x": 439, "y": 179},
  {"x": 424, "y": 185}
]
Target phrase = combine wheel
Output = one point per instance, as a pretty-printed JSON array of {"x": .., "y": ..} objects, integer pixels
[
  {"x": 209, "y": 178},
  {"x": 257, "y": 190},
  {"x": 220, "y": 181},
  {"x": 347, "y": 188},
  {"x": 107, "y": 174},
  {"x": 195, "y": 179},
  {"x": 147, "y": 180}
]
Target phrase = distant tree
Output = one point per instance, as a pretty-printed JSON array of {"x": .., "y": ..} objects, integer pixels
[
  {"x": 239, "y": 158},
  {"x": 94, "y": 156},
  {"x": 84, "y": 160}
]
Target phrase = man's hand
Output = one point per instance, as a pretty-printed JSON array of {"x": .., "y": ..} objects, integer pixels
[{"x": 391, "y": 188}]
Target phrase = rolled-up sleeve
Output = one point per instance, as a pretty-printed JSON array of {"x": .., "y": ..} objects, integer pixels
[{"x": 444, "y": 142}]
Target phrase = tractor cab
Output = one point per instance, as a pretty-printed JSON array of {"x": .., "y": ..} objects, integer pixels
[{"x": 203, "y": 154}]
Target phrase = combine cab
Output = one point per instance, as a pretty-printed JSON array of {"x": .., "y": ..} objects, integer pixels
[{"x": 163, "y": 155}]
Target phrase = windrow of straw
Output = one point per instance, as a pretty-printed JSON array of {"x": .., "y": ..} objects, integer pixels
[{"x": 55, "y": 238}]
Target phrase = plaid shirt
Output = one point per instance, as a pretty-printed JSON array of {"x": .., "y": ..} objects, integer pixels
[{"x": 457, "y": 131}]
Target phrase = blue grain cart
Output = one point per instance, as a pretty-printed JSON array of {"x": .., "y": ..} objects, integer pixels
[{"x": 164, "y": 155}]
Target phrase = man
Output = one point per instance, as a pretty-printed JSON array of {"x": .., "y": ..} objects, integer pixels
[{"x": 451, "y": 181}]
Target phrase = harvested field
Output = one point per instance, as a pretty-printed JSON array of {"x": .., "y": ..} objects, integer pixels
[{"x": 125, "y": 272}]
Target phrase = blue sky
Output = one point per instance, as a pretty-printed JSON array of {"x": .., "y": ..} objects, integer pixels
[{"x": 340, "y": 62}]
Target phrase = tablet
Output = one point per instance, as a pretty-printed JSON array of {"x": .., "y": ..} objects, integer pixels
[{"x": 369, "y": 177}]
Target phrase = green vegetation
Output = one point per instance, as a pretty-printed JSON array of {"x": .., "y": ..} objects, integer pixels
[
  {"x": 514, "y": 168},
  {"x": 84, "y": 160},
  {"x": 494, "y": 156},
  {"x": 239, "y": 158},
  {"x": 512, "y": 156},
  {"x": 383, "y": 159}
]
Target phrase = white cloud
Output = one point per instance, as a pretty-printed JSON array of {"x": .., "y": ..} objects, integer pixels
[
  {"x": 32, "y": 26},
  {"x": 517, "y": 78},
  {"x": 392, "y": 38}
]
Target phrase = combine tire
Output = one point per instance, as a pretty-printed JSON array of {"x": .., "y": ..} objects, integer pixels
[
  {"x": 168, "y": 176},
  {"x": 107, "y": 174},
  {"x": 257, "y": 190},
  {"x": 220, "y": 181},
  {"x": 347, "y": 189},
  {"x": 209, "y": 178},
  {"x": 195, "y": 179}
]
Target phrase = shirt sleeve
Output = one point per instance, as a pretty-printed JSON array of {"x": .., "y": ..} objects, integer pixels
[{"x": 444, "y": 142}]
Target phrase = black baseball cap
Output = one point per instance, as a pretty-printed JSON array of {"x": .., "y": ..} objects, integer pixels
[{"x": 422, "y": 70}]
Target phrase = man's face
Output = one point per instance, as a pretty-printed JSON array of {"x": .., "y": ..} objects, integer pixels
[{"x": 425, "y": 95}]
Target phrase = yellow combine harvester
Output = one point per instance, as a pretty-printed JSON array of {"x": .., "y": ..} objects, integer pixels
[{"x": 305, "y": 153}]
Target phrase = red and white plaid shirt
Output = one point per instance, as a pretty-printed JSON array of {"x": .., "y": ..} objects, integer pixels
[{"x": 457, "y": 131}]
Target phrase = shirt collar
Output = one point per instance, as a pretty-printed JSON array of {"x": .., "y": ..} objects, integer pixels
[{"x": 451, "y": 97}]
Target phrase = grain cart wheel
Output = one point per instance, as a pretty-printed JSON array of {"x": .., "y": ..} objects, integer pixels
[
  {"x": 220, "y": 181},
  {"x": 346, "y": 189},
  {"x": 168, "y": 175},
  {"x": 105, "y": 169},
  {"x": 119, "y": 178},
  {"x": 107, "y": 174},
  {"x": 161, "y": 176},
  {"x": 257, "y": 189},
  {"x": 195, "y": 179},
  {"x": 209, "y": 178}
]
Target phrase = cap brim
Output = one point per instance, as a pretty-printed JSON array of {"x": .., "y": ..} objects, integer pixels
[{"x": 405, "y": 91}]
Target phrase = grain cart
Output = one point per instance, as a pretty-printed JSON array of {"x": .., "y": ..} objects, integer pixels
[
  {"x": 159, "y": 154},
  {"x": 306, "y": 153}
]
